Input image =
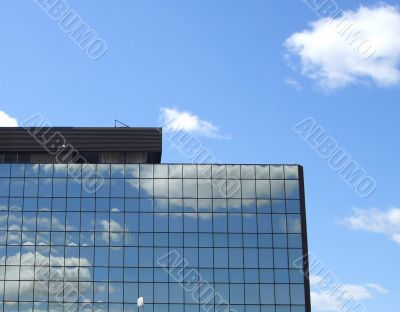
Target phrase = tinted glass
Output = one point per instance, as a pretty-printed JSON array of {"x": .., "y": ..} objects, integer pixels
[{"x": 112, "y": 233}]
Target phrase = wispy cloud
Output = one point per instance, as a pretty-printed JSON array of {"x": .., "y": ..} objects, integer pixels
[
  {"x": 355, "y": 47},
  {"x": 174, "y": 120},
  {"x": 293, "y": 83},
  {"x": 7, "y": 121},
  {"x": 325, "y": 300},
  {"x": 376, "y": 221}
]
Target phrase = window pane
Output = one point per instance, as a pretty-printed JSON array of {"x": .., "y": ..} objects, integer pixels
[
  {"x": 265, "y": 258},
  {"x": 146, "y": 188},
  {"x": 262, "y": 171},
  {"x": 190, "y": 171},
  {"x": 264, "y": 223},
  {"x": 131, "y": 171},
  {"x": 233, "y": 172},
  {"x": 146, "y": 171},
  {"x": 250, "y": 257},
  {"x": 175, "y": 171},
  {"x": 280, "y": 258},
  {"x": 17, "y": 170},
  {"x": 60, "y": 171},
  {"x": 103, "y": 171},
  {"x": 263, "y": 189},
  {"x": 236, "y": 257},
  {"x": 17, "y": 187},
  {"x": 267, "y": 294},
  {"x": 190, "y": 188},
  {"x": 204, "y": 188},
  {"x": 161, "y": 188},
  {"x": 161, "y": 222},
  {"x": 117, "y": 187},
  {"x": 175, "y": 222},
  {"x": 45, "y": 187},
  {"x": 117, "y": 171},
  {"x": 282, "y": 294},
  {"x": 237, "y": 293},
  {"x": 4, "y": 186},
  {"x": 252, "y": 294},
  {"x": 277, "y": 189},
  {"x": 279, "y": 223},
  {"x": 132, "y": 188},
  {"x": 5, "y": 170},
  {"x": 46, "y": 170},
  {"x": 235, "y": 222},
  {"x": 248, "y": 189},
  {"x": 249, "y": 223},
  {"x": 292, "y": 189},
  {"x": 297, "y": 294},
  {"x": 294, "y": 223},
  {"x": 175, "y": 188},
  {"x": 59, "y": 187},
  {"x": 291, "y": 172},
  {"x": 190, "y": 222},
  {"x": 160, "y": 171},
  {"x": 247, "y": 172},
  {"x": 103, "y": 187},
  {"x": 276, "y": 172}
]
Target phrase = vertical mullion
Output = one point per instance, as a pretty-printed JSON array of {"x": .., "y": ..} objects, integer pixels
[
  {"x": 242, "y": 234},
  {"x": 287, "y": 236},
  {"x": 6, "y": 242},
  {"x": 22, "y": 224}
]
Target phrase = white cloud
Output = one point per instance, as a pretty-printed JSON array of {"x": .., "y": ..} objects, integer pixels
[
  {"x": 20, "y": 280},
  {"x": 293, "y": 83},
  {"x": 175, "y": 120},
  {"x": 7, "y": 121},
  {"x": 357, "y": 47},
  {"x": 378, "y": 288},
  {"x": 113, "y": 230},
  {"x": 331, "y": 299},
  {"x": 376, "y": 221}
]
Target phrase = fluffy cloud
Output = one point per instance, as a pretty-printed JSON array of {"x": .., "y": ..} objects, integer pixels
[
  {"x": 112, "y": 230},
  {"x": 175, "y": 120},
  {"x": 20, "y": 281},
  {"x": 355, "y": 47},
  {"x": 376, "y": 221},
  {"x": 330, "y": 300},
  {"x": 7, "y": 121}
]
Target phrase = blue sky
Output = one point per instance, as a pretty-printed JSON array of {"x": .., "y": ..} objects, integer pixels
[{"x": 227, "y": 71}]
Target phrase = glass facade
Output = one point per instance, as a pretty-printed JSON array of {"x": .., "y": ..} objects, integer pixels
[{"x": 87, "y": 237}]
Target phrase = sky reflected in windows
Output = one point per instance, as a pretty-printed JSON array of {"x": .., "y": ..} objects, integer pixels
[{"x": 54, "y": 234}]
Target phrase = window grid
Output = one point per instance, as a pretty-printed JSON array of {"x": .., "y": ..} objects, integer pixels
[{"x": 114, "y": 233}]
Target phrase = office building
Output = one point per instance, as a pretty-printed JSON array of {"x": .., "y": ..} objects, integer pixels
[{"x": 91, "y": 220}]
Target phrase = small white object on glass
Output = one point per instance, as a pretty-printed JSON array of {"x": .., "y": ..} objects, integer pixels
[{"x": 140, "y": 302}]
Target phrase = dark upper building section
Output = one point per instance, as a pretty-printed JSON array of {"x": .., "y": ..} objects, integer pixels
[{"x": 80, "y": 145}]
